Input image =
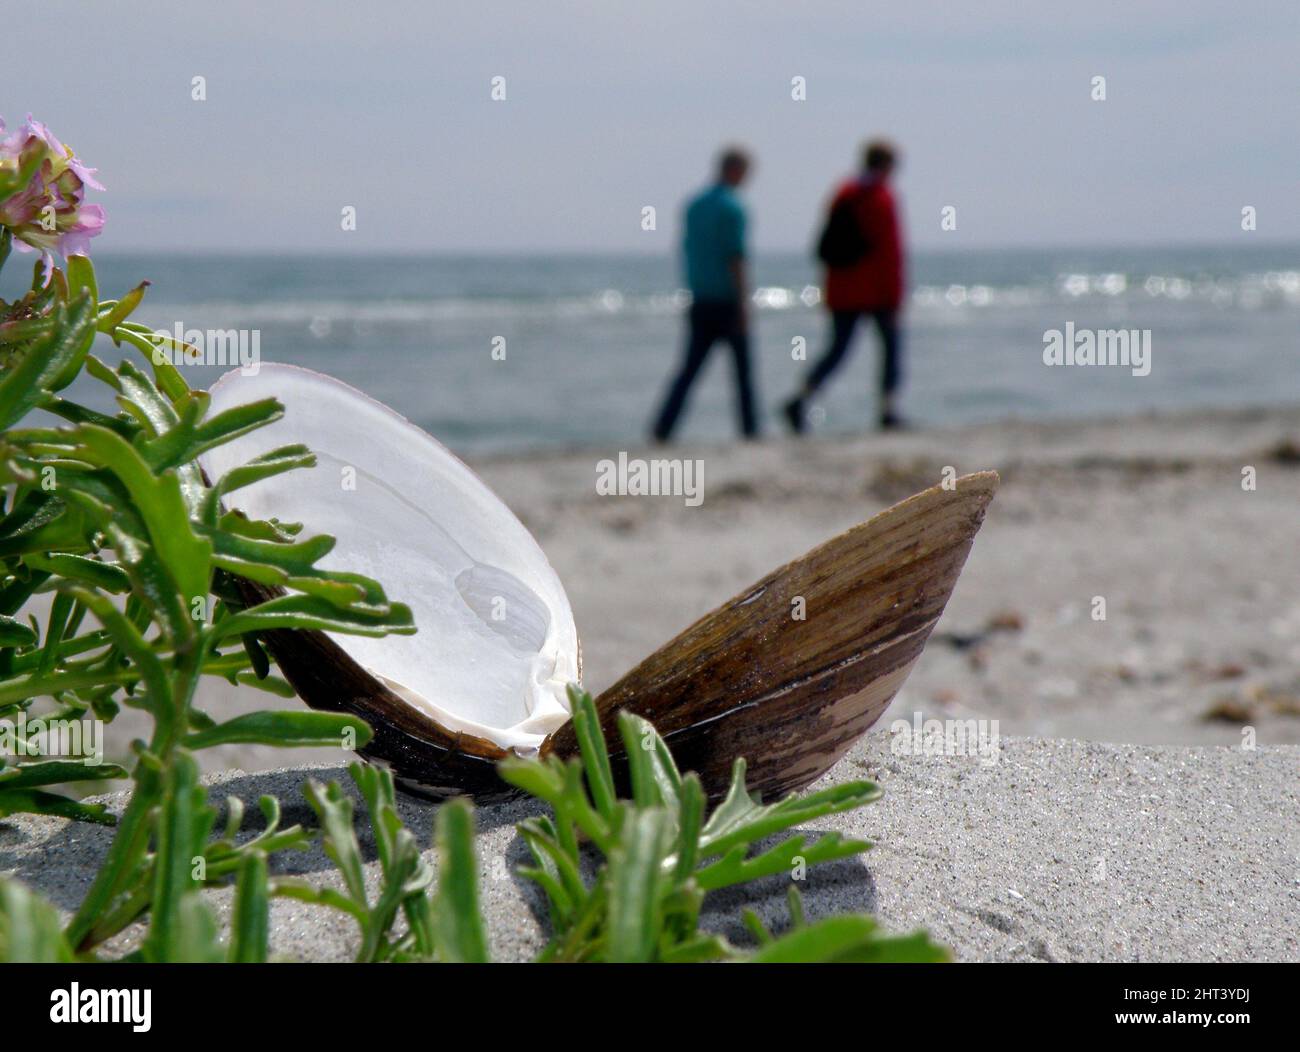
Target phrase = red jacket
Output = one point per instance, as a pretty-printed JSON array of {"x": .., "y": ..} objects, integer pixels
[{"x": 876, "y": 281}]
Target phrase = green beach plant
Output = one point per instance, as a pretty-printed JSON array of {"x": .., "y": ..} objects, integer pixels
[
  {"x": 659, "y": 856},
  {"x": 108, "y": 520},
  {"x": 112, "y": 519}
]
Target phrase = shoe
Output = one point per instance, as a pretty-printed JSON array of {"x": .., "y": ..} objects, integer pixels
[
  {"x": 893, "y": 422},
  {"x": 793, "y": 411}
]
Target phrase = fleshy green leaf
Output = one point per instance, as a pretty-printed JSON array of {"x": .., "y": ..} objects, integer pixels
[
  {"x": 186, "y": 557},
  {"x": 458, "y": 924},
  {"x": 24, "y": 385},
  {"x": 308, "y": 612},
  {"x": 107, "y": 577},
  {"x": 284, "y": 728},
  {"x": 176, "y": 926},
  {"x": 250, "y": 920},
  {"x": 849, "y": 939},
  {"x": 81, "y": 275},
  {"x": 39, "y": 802},
  {"x": 735, "y": 868},
  {"x": 56, "y": 772},
  {"x": 636, "y": 886},
  {"x": 595, "y": 756},
  {"x": 13, "y": 633},
  {"x": 118, "y": 310},
  {"x": 30, "y": 928},
  {"x": 741, "y": 819},
  {"x": 334, "y": 810}
]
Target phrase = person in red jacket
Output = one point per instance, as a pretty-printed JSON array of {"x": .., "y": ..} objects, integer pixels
[{"x": 864, "y": 278}]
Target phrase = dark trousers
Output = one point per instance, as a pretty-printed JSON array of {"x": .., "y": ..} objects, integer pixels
[
  {"x": 709, "y": 323},
  {"x": 843, "y": 323}
]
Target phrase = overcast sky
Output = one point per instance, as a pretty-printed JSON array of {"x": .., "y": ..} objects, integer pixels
[{"x": 613, "y": 106}]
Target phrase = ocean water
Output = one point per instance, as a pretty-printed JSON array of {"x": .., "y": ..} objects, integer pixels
[{"x": 590, "y": 341}]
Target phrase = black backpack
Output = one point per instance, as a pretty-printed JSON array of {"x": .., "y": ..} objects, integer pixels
[{"x": 843, "y": 242}]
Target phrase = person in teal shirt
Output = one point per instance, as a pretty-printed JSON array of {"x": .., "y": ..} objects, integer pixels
[{"x": 714, "y": 253}]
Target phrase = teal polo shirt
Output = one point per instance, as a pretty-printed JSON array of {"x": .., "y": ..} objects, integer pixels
[{"x": 715, "y": 236}]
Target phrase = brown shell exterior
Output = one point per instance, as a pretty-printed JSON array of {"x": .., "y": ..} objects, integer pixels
[{"x": 791, "y": 696}]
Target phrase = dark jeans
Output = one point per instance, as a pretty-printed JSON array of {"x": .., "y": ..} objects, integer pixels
[
  {"x": 843, "y": 322},
  {"x": 709, "y": 323}
]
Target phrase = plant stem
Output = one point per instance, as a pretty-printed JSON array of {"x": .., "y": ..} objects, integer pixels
[
  {"x": 55, "y": 683},
  {"x": 131, "y": 841}
]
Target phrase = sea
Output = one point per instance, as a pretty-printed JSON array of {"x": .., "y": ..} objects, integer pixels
[{"x": 511, "y": 353}]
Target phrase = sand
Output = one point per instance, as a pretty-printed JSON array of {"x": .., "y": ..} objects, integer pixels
[
  {"x": 1059, "y": 851},
  {"x": 1173, "y": 840}
]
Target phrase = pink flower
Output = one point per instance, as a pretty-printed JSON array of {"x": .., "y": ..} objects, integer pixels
[{"x": 42, "y": 194}]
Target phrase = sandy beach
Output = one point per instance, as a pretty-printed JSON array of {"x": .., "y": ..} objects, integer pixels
[
  {"x": 1061, "y": 851},
  {"x": 1126, "y": 817},
  {"x": 1202, "y": 628}
]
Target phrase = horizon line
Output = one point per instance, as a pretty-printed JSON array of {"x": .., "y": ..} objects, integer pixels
[{"x": 590, "y": 253}]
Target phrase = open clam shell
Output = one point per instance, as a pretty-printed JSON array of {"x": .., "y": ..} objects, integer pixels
[{"x": 788, "y": 674}]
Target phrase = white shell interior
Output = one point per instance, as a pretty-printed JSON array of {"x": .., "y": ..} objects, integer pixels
[{"x": 495, "y": 644}]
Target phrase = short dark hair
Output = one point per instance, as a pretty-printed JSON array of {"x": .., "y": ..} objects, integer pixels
[
  {"x": 878, "y": 155},
  {"x": 732, "y": 157}
]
